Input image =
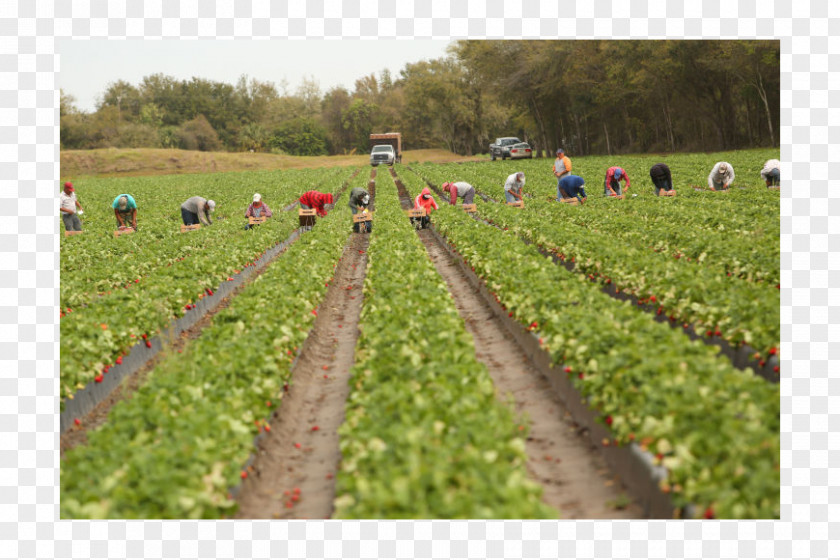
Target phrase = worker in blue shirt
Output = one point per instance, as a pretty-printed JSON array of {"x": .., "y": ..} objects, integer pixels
[
  {"x": 570, "y": 188},
  {"x": 125, "y": 209}
]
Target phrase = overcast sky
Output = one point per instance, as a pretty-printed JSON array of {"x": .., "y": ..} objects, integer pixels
[{"x": 87, "y": 67}]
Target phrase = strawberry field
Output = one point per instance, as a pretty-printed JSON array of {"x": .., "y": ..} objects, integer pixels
[{"x": 656, "y": 320}]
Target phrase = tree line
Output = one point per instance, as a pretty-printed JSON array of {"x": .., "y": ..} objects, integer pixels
[{"x": 589, "y": 97}]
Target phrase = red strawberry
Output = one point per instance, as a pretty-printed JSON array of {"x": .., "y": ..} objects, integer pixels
[
  {"x": 653, "y": 299},
  {"x": 77, "y": 421},
  {"x": 289, "y": 505},
  {"x": 709, "y": 513},
  {"x": 510, "y": 314},
  {"x": 709, "y": 333},
  {"x": 533, "y": 325},
  {"x": 659, "y": 311},
  {"x": 580, "y": 375},
  {"x": 267, "y": 428},
  {"x": 99, "y": 378},
  {"x": 297, "y": 445},
  {"x": 776, "y": 369},
  {"x": 329, "y": 476},
  {"x": 243, "y": 475},
  {"x": 209, "y": 292},
  {"x": 717, "y": 332},
  {"x": 608, "y": 420},
  {"x": 631, "y": 436},
  {"x": 295, "y": 498},
  {"x": 568, "y": 369},
  {"x": 315, "y": 428},
  {"x": 296, "y": 490},
  {"x": 268, "y": 403},
  {"x": 773, "y": 351},
  {"x": 314, "y": 312},
  {"x": 148, "y": 344},
  {"x": 119, "y": 360},
  {"x": 324, "y": 368},
  {"x": 761, "y": 363}
]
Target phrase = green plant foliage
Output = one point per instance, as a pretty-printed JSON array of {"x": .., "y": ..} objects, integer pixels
[
  {"x": 715, "y": 428},
  {"x": 424, "y": 435}
]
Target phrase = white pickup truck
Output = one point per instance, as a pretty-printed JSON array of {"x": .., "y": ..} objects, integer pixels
[{"x": 382, "y": 153}]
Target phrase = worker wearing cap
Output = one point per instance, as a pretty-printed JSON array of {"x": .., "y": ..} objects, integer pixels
[
  {"x": 125, "y": 210},
  {"x": 316, "y": 200},
  {"x": 358, "y": 202},
  {"x": 68, "y": 206},
  {"x": 425, "y": 201},
  {"x": 197, "y": 210},
  {"x": 569, "y": 188},
  {"x": 770, "y": 173},
  {"x": 562, "y": 166},
  {"x": 660, "y": 174},
  {"x": 459, "y": 190},
  {"x": 513, "y": 187},
  {"x": 721, "y": 176},
  {"x": 612, "y": 184},
  {"x": 257, "y": 209}
]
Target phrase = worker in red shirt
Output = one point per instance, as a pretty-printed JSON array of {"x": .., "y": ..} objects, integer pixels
[
  {"x": 612, "y": 185},
  {"x": 316, "y": 200},
  {"x": 424, "y": 201}
]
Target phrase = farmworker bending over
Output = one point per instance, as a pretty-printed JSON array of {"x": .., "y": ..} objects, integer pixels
[
  {"x": 459, "y": 189},
  {"x": 425, "y": 201},
  {"x": 67, "y": 206},
  {"x": 660, "y": 174},
  {"x": 257, "y": 209},
  {"x": 562, "y": 165},
  {"x": 770, "y": 173},
  {"x": 316, "y": 200},
  {"x": 125, "y": 209},
  {"x": 721, "y": 176},
  {"x": 197, "y": 210},
  {"x": 612, "y": 186},
  {"x": 513, "y": 187},
  {"x": 358, "y": 202},
  {"x": 570, "y": 188}
]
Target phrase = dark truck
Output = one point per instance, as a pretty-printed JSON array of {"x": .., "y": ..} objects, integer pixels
[{"x": 393, "y": 139}]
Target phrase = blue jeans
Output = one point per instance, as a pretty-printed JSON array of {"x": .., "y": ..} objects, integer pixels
[
  {"x": 509, "y": 197},
  {"x": 614, "y": 184},
  {"x": 71, "y": 221},
  {"x": 662, "y": 184},
  {"x": 189, "y": 218}
]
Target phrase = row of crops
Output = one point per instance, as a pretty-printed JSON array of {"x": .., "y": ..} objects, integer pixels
[
  {"x": 116, "y": 290},
  {"x": 425, "y": 435},
  {"x": 714, "y": 427}
]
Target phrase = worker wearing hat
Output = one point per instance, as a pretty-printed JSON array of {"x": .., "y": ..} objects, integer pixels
[
  {"x": 359, "y": 201},
  {"x": 562, "y": 167},
  {"x": 721, "y": 176},
  {"x": 513, "y": 186},
  {"x": 770, "y": 173},
  {"x": 125, "y": 210},
  {"x": 426, "y": 202},
  {"x": 257, "y": 209},
  {"x": 197, "y": 210},
  {"x": 459, "y": 189},
  {"x": 612, "y": 182},
  {"x": 68, "y": 206}
]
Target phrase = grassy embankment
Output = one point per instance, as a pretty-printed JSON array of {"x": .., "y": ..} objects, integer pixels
[{"x": 112, "y": 162}]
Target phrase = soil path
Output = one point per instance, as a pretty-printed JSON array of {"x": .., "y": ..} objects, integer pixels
[
  {"x": 292, "y": 476},
  {"x": 574, "y": 476}
]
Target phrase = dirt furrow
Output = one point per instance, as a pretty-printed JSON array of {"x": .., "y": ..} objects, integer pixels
[
  {"x": 573, "y": 474},
  {"x": 292, "y": 475}
]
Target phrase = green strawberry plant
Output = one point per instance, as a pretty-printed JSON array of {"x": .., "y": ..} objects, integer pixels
[
  {"x": 424, "y": 435},
  {"x": 178, "y": 445},
  {"x": 715, "y": 428}
]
